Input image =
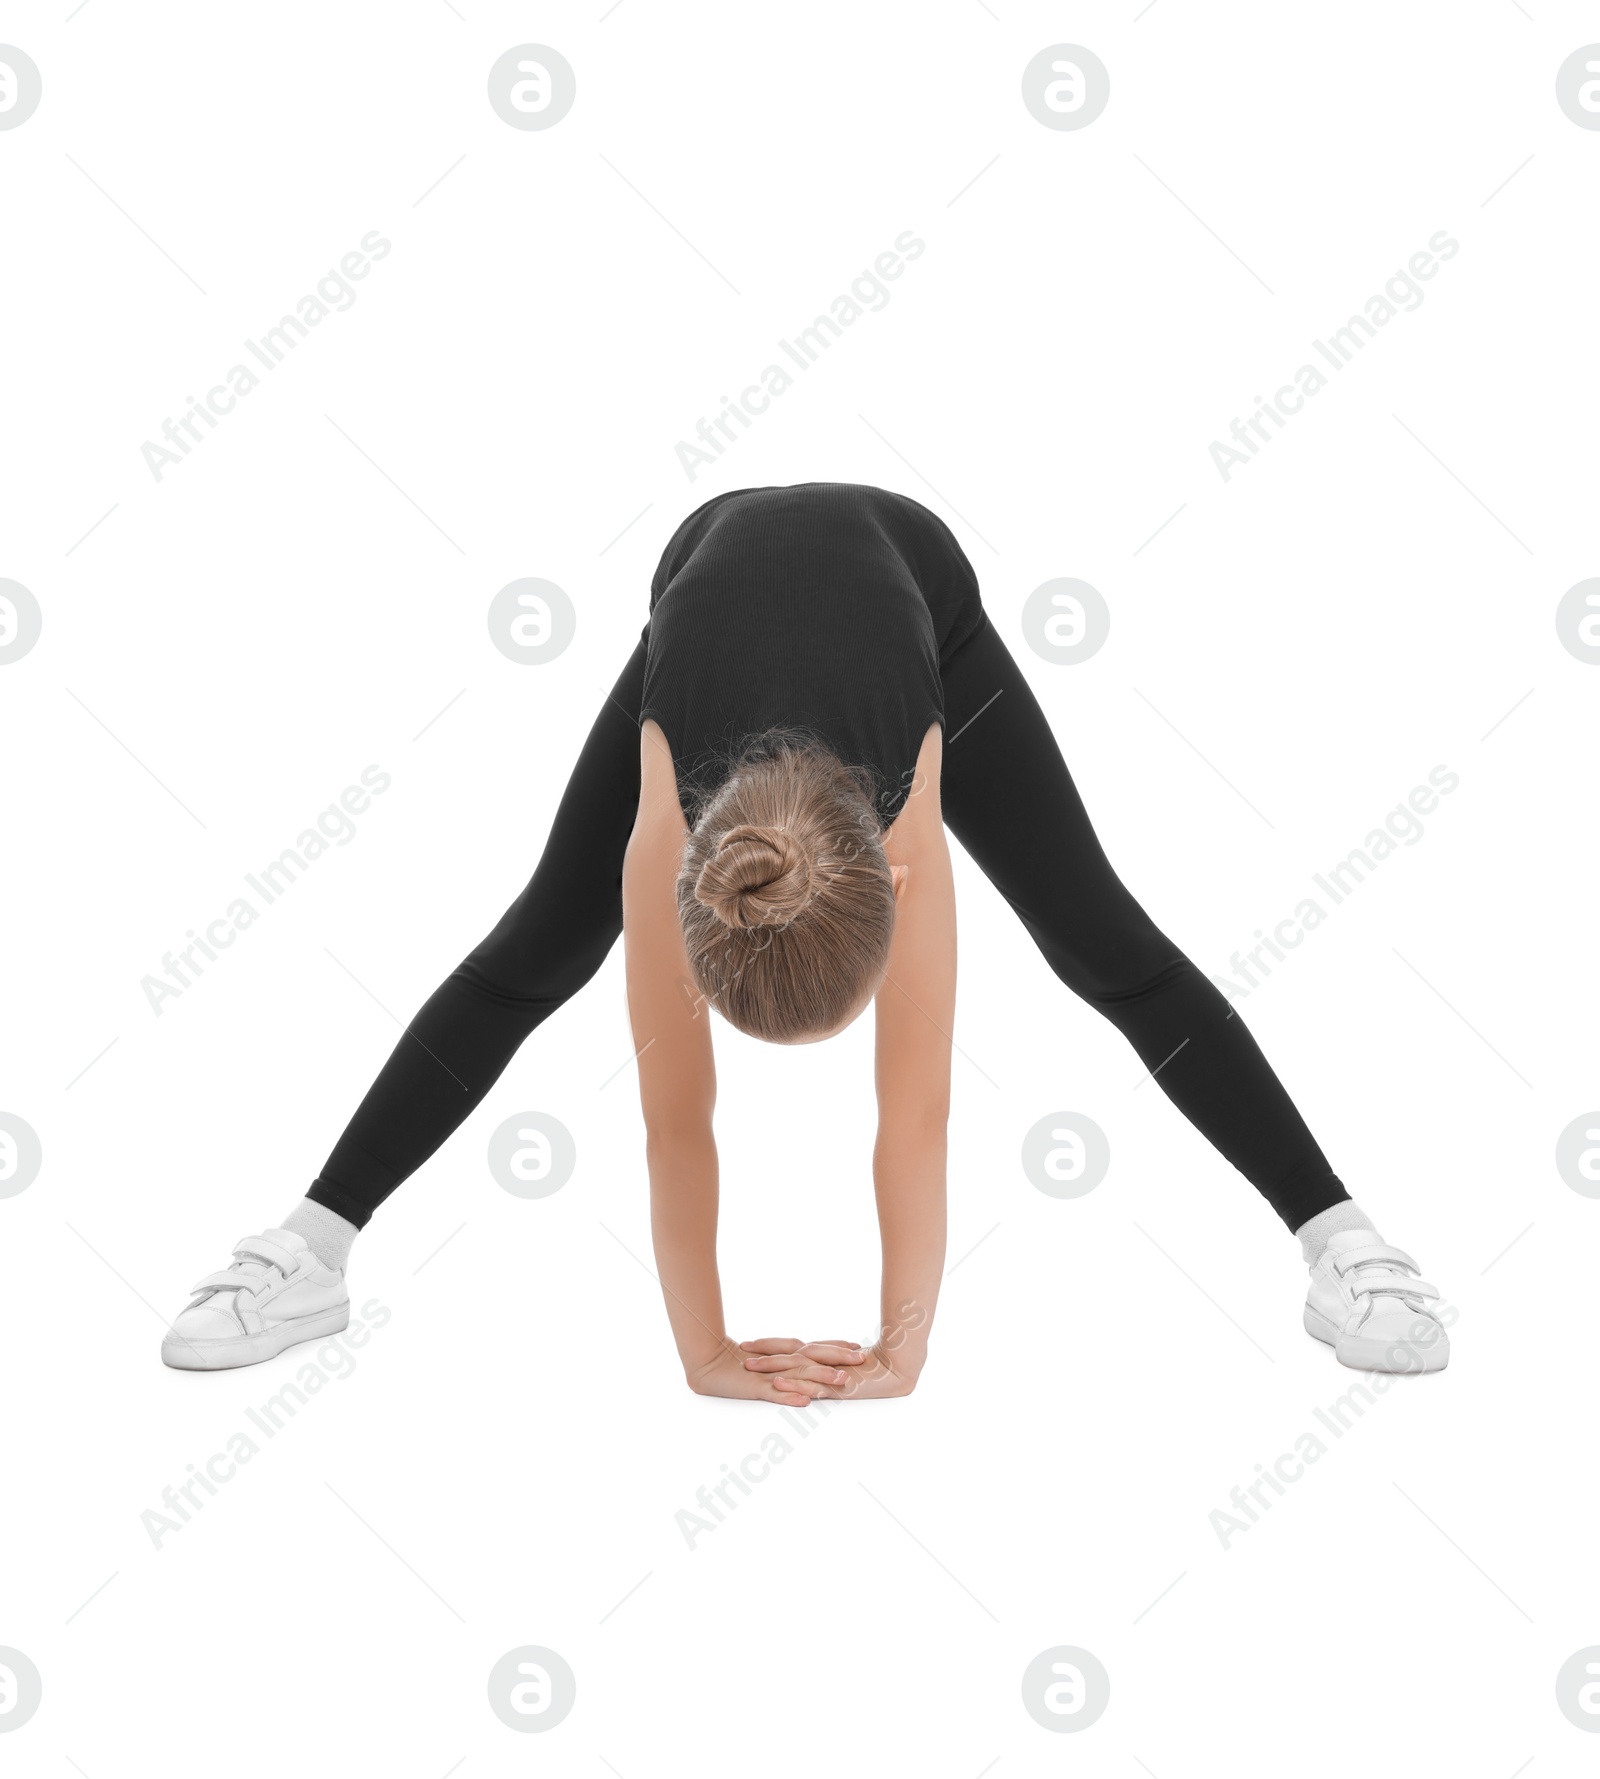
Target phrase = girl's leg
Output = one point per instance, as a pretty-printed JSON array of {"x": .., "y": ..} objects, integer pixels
[
  {"x": 547, "y": 945},
  {"x": 1010, "y": 801}
]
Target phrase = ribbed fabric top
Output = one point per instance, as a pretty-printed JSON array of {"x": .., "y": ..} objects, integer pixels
[{"x": 821, "y": 607}]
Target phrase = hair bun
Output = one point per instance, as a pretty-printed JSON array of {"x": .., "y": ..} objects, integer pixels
[{"x": 757, "y": 877}]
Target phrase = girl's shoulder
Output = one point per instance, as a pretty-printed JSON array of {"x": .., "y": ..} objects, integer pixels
[
  {"x": 660, "y": 808},
  {"x": 919, "y": 826}
]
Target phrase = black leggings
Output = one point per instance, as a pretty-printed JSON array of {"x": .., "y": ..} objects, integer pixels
[{"x": 1010, "y": 801}]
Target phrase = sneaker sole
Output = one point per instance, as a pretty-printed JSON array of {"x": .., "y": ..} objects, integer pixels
[
  {"x": 1376, "y": 1355},
  {"x": 251, "y": 1349}
]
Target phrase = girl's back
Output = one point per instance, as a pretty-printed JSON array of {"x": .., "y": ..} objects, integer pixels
[{"x": 821, "y": 608}]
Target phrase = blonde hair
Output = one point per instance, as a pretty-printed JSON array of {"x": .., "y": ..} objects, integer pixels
[{"x": 785, "y": 895}]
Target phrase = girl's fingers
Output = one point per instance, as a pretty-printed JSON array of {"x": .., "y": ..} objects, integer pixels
[
  {"x": 833, "y": 1352},
  {"x": 804, "y": 1361},
  {"x": 805, "y": 1375}
]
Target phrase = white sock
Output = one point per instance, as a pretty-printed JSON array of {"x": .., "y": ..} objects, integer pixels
[
  {"x": 1347, "y": 1214},
  {"x": 327, "y": 1234}
]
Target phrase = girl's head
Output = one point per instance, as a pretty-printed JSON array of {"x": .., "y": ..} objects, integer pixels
[{"x": 786, "y": 897}]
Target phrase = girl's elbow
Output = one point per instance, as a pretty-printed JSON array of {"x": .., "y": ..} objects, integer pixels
[
  {"x": 677, "y": 1135},
  {"x": 922, "y": 1122}
]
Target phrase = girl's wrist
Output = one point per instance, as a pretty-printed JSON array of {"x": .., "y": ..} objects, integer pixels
[
  {"x": 904, "y": 1332},
  {"x": 906, "y": 1351},
  {"x": 704, "y": 1357}
]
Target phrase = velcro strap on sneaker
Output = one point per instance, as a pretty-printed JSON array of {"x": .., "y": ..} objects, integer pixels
[
  {"x": 1392, "y": 1285},
  {"x": 232, "y": 1281},
  {"x": 1353, "y": 1257},
  {"x": 257, "y": 1247}
]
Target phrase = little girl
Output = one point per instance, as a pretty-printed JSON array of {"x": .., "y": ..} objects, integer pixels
[{"x": 760, "y": 809}]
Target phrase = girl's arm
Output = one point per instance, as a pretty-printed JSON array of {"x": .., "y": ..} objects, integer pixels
[
  {"x": 915, "y": 1013},
  {"x": 677, "y": 1088},
  {"x": 677, "y": 1072}
]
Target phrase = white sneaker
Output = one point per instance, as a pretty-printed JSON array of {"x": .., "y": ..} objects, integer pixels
[
  {"x": 1369, "y": 1304},
  {"x": 277, "y": 1292}
]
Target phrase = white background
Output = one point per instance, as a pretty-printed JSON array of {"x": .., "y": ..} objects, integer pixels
[{"x": 227, "y": 648}]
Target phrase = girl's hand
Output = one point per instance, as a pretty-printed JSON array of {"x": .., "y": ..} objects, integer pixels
[
  {"x": 818, "y": 1369},
  {"x": 805, "y": 1370}
]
